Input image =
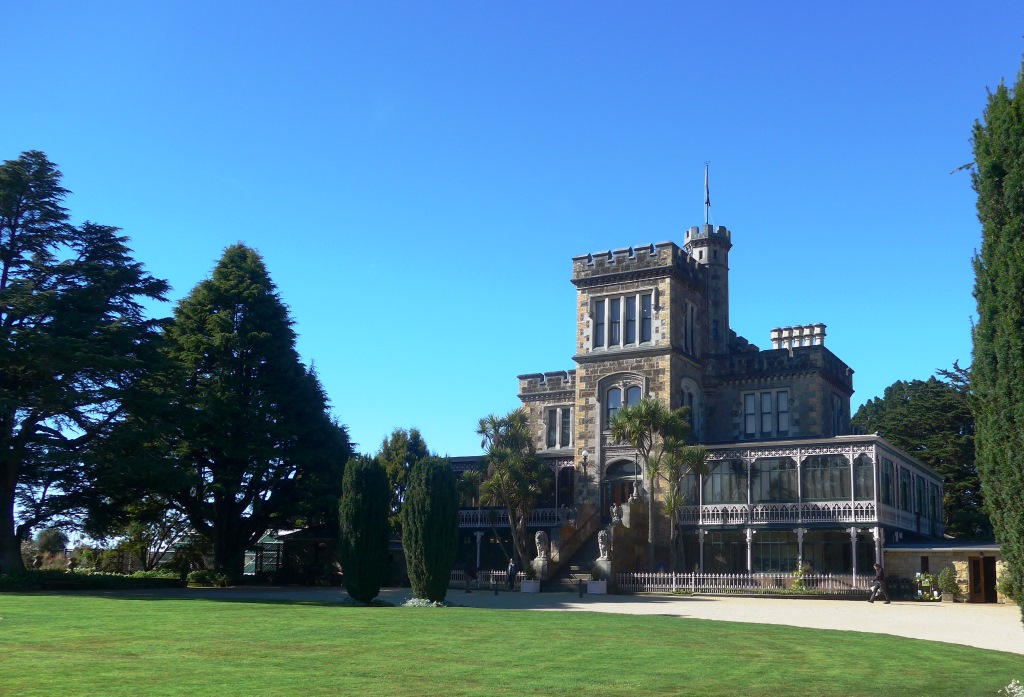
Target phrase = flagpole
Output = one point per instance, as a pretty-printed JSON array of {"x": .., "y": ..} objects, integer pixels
[{"x": 707, "y": 195}]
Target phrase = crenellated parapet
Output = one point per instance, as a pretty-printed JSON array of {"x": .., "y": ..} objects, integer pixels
[
  {"x": 781, "y": 362},
  {"x": 699, "y": 233},
  {"x": 558, "y": 384},
  {"x": 644, "y": 261}
]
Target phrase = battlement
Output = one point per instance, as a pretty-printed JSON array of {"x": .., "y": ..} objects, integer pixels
[
  {"x": 705, "y": 232},
  {"x": 545, "y": 383},
  {"x": 775, "y": 362},
  {"x": 666, "y": 256},
  {"x": 792, "y": 337}
]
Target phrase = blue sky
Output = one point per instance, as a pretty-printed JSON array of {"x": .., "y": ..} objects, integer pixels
[{"x": 418, "y": 176}]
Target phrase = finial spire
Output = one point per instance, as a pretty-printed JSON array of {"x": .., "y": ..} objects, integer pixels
[{"x": 707, "y": 195}]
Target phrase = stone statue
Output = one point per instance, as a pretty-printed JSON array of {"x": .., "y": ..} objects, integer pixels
[
  {"x": 541, "y": 538},
  {"x": 616, "y": 511},
  {"x": 604, "y": 545}
]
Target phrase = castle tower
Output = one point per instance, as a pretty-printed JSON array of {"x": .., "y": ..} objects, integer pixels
[{"x": 710, "y": 245}]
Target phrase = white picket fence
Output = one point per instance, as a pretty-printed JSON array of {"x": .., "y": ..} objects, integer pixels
[
  {"x": 484, "y": 579},
  {"x": 755, "y": 584}
]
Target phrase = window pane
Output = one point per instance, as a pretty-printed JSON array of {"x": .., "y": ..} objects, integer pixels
[
  {"x": 614, "y": 320},
  {"x": 566, "y": 427},
  {"x": 782, "y": 404},
  {"x": 863, "y": 479},
  {"x": 825, "y": 477},
  {"x": 614, "y": 402},
  {"x": 633, "y": 395},
  {"x": 599, "y": 323},
  {"x": 749, "y": 415},
  {"x": 766, "y": 413},
  {"x": 552, "y": 426},
  {"x": 630, "y": 320},
  {"x": 645, "y": 317}
]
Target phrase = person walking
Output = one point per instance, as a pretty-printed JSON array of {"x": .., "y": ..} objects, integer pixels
[
  {"x": 512, "y": 571},
  {"x": 879, "y": 585}
]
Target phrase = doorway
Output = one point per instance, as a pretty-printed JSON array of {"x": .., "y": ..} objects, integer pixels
[
  {"x": 982, "y": 579},
  {"x": 618, "y": 485}
]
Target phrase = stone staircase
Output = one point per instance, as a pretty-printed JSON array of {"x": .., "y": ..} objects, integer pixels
[{"x": 566, "y": 580}]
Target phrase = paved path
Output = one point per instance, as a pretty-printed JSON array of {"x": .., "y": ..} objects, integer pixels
[{"x": 990, "y": 626}]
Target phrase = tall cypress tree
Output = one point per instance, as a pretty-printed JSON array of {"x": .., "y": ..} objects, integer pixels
[
  {"x": 998, "y": 369},
  {"x": 363, "y": 528},
  {"x": 430, "y": 527}
]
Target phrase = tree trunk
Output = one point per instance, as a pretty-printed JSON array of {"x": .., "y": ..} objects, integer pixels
[
  {"x": 10, "y": 545},
  {"x": 229, "y": 556},
  {"x": 650, "y": 522}
]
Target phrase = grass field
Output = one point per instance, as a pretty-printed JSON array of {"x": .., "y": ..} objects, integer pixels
[{"x": 77, "y": 644}]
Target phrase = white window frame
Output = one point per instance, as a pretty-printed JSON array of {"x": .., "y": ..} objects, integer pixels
[
  {"x": 562, "y": 414},
  {"x": 609, "y": 324},
  {"x": 761, "y": 408}
]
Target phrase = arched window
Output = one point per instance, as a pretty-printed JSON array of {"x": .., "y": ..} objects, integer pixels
[
  {"x": 825, "y": 477},
  {"x": 633, "y": 394},
  {"x": 726, "y": 482},
  {"x": 774, "y": 479},
  {"x": 863, "y": 478},
  {"x": 613, "y": 400}
]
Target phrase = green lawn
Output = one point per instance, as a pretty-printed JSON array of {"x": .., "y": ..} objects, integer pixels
[{"x": 76, "y": 644}]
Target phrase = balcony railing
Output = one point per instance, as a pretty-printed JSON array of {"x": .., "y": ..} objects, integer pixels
[
  {"x": 481, "y": 518},
  {"x": 762, "y": 513}
]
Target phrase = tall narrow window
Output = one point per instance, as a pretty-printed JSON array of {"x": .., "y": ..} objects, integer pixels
[
  {"x": 863, "y": 478},
  {"x": 633, "y": 395},
  {"x": 749, "y": 415},
  {"x": 782, "y": 404},
  {"x": 714, "y": 329},
  {"x": 766, "y": 414},
  {"x": 614, "y": 322},
  {"x": 645, "y": 317},
  {"x": 566, "y": 427},
  {"x": 888, "y": 497},
  {"x": 599, "y": 323},
  {"x": 837, "y": 415},
  {"x": 552, "y": 427},
  {"x": 905, "y": 493},
  {"x": 614, "y": 402},
  {"x": 691, "y": 345},
  {"x": 631, "y": 320}
]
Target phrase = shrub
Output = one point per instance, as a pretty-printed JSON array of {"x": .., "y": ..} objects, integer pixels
[
  {"x": 1005, "y": 587},
  {"x": 430, "y": 527},
  {"x": 363, "y": 527},
  {"x": 206, "y": 577},
  {"x": 51, "y": 541},
  {"x": 948, "y": 582}
]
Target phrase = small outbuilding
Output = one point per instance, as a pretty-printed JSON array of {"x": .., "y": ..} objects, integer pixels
[{"x": 978, "y": 565}]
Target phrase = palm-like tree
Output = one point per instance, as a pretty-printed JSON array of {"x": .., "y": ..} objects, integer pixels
[
  {"x": 659, "y": 436},
  {"x": 680, "y": 460},
  {"x": 516, "y": 478}
]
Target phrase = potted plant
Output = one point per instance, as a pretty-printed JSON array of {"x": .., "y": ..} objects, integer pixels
[
  {"x": 597, "y": 585},
  {"x": 948, "y": 585},
  {"x": 530, "y": 584}
]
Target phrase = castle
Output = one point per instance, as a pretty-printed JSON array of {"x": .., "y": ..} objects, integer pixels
[{"x": 786, "y": 480}]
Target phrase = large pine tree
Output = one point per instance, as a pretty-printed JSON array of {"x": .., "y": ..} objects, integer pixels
[
  {"x": 932, "y": 420},
  {"x": 74, "y": 342},
  {"x": 998, "y": 369},
  {"x": 254, "y": 444}
]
